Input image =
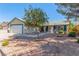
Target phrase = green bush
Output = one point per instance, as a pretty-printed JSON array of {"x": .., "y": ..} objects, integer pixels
[
  {"x": 5, "y": 42},
  {"x": 72, "y": 34},
  {"x": 77, "y": 40},
  {"x": 61, "y": 32}
]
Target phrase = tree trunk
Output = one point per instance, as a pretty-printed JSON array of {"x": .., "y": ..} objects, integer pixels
[
  {"x": 75, "y": 16},
  {"x": 68, "y": 19}
]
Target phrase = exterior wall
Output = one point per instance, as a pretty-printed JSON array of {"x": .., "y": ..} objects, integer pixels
[
  {"x": 29, "y": 29},
  {"x": 59, "y": 27},
  {"x": 51, "y": 29}
]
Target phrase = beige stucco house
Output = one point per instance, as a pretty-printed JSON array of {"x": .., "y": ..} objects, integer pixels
[{"x": 17, "y": 26}]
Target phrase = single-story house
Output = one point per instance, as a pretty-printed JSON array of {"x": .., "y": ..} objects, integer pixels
[{"x": 17, "y": 26}]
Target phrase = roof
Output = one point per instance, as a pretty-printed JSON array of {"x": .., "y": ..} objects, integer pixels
[
  {"x": 4, "y": 23},
  {"x": 14, "y": 19},
  {"x": 46, "y": 24},
  {"x": 57, "y": 23},
  {"x": 61, "y": 23}
]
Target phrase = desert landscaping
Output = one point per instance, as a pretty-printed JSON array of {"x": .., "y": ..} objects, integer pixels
[{"x": 47, "y": 45}]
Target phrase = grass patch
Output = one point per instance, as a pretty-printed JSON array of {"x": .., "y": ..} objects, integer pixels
[{"x": 5, "y": 42}]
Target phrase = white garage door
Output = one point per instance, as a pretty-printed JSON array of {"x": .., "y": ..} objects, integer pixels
[{"x": 17, "y": 29}]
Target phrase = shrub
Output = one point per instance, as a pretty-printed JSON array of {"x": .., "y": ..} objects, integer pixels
[
  {"x": 5, "y": 42},
  {"x": 72, "y": 34},
  {"x": 77, "y": 40},
  {"x": 61, "y": 32}
]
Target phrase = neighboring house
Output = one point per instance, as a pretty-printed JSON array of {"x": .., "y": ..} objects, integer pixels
[
  {"x": 4, "y": 27},
  {"x": 17, "y": 26},
  {"x": 0, "y": 26}
]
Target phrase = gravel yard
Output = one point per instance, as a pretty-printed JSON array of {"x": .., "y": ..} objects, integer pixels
[{"x": 49, "y": 46}]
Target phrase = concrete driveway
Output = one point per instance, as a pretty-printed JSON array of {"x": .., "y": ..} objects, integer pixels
[{"x": 5, "y": 35}]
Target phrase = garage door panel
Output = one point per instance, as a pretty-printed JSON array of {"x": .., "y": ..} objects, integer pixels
[{"x": 16, "y": 29}]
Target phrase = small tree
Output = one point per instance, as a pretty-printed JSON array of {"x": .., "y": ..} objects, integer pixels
[{"x": 35, "y": 17}]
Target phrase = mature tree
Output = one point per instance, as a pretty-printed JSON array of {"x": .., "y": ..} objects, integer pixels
[
  {"x": 35, "y": 17},
  {"x": 70, "y": 10}
]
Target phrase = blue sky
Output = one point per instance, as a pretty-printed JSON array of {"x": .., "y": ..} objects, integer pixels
[{"x": 10, "y": 10}]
